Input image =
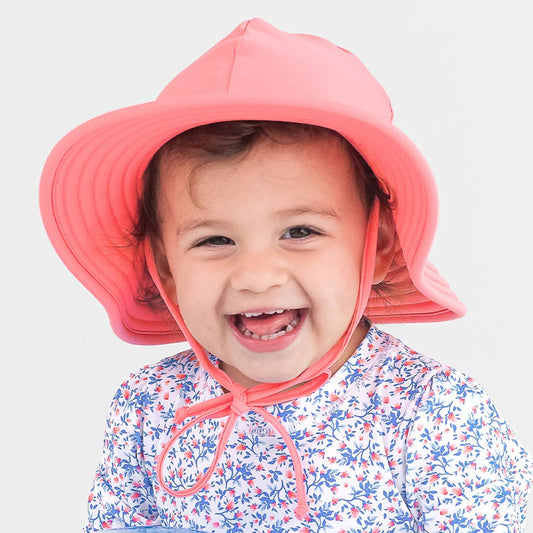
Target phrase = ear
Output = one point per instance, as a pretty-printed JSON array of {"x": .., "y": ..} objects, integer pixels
[
  {"x": 386, "y": 247},
  {"x": 163, "y": 269}
]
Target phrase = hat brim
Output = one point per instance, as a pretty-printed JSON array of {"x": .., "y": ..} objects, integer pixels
[{"x": 93, "y": 178}]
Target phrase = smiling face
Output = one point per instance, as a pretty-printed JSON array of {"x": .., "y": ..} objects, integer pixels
[{"x": 279, "y": 228}]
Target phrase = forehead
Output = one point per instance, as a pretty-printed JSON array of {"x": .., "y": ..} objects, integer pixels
[{"x": 271, "y": 172}]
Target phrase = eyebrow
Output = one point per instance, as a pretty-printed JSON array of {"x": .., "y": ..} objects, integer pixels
[{"x": 325, "y": 212}]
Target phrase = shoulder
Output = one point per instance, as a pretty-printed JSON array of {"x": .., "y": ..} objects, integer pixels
[
  {"x": 147, "y": 399},
  {"x": 459, "y": 450},
  {"x": 394, "y": 375},
  {"x": 442, "y": 430},
  {"x": 456, "y": 416},
  {"x": 172, "y": 375},
  {"x": 403, "y": 384}
]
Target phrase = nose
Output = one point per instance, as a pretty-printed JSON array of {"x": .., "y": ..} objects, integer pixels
[{"x": 258, "y": 271}]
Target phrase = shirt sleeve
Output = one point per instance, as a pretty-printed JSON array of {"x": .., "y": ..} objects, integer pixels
[
  {"x": 121, "y": 494},
  {"x": 465, "y": 470}
]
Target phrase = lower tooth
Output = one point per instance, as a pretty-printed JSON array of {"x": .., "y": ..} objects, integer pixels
[
  {"x": 248, "y": 333},
  {"x": 289, "y": 328}
]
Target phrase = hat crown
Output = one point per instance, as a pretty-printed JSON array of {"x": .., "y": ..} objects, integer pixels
[{"x": 258, "y": 61}]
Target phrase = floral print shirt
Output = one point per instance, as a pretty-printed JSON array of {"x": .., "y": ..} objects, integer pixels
[{"x": 394, "y": 441}]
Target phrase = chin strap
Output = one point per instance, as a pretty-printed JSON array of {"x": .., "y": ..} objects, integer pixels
[{"x": 238, "y": 400}]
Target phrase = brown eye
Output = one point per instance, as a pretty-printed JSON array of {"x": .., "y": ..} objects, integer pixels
[
  {"x": 300, "y": 232},
  {"x": 214, "y": 241}
]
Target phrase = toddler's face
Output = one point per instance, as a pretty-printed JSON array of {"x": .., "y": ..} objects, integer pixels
[{"x": 281, "y": 228}]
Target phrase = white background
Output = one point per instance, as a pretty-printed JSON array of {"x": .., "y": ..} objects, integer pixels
[{"x": 459, "y": 78}]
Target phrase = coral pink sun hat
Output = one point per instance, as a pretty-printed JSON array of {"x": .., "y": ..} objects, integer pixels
[{"x": 92, "y": 179}]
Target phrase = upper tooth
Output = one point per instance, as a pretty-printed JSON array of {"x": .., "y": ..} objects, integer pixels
[{"x": 248, "y": 315}]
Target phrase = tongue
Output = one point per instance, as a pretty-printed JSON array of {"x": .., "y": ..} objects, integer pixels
[{"x": 269, "y": 324}]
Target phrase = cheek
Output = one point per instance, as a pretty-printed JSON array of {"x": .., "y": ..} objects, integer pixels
[
  {"x": 197, "y": 291},
  {"x": 334, "y": 282},
  {"x": 196, "y": 307},
  {"x": 344, "y": 274},
  {"x": 346, "y": 259}
]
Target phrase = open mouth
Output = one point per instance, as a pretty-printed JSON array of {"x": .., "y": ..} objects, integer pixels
[{"x": 268, "y": 326}]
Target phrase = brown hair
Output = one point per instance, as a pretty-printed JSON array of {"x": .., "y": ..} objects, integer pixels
[{"x": 223, "y": 140}]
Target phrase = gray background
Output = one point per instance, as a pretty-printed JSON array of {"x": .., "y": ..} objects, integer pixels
[{"x": 459, "y": 78}]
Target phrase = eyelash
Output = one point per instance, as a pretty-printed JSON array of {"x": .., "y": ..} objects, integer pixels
[{"x": 205, "y": 242}]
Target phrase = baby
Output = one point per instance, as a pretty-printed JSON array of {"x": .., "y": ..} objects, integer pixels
[{"x": 265, "y": 210}]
